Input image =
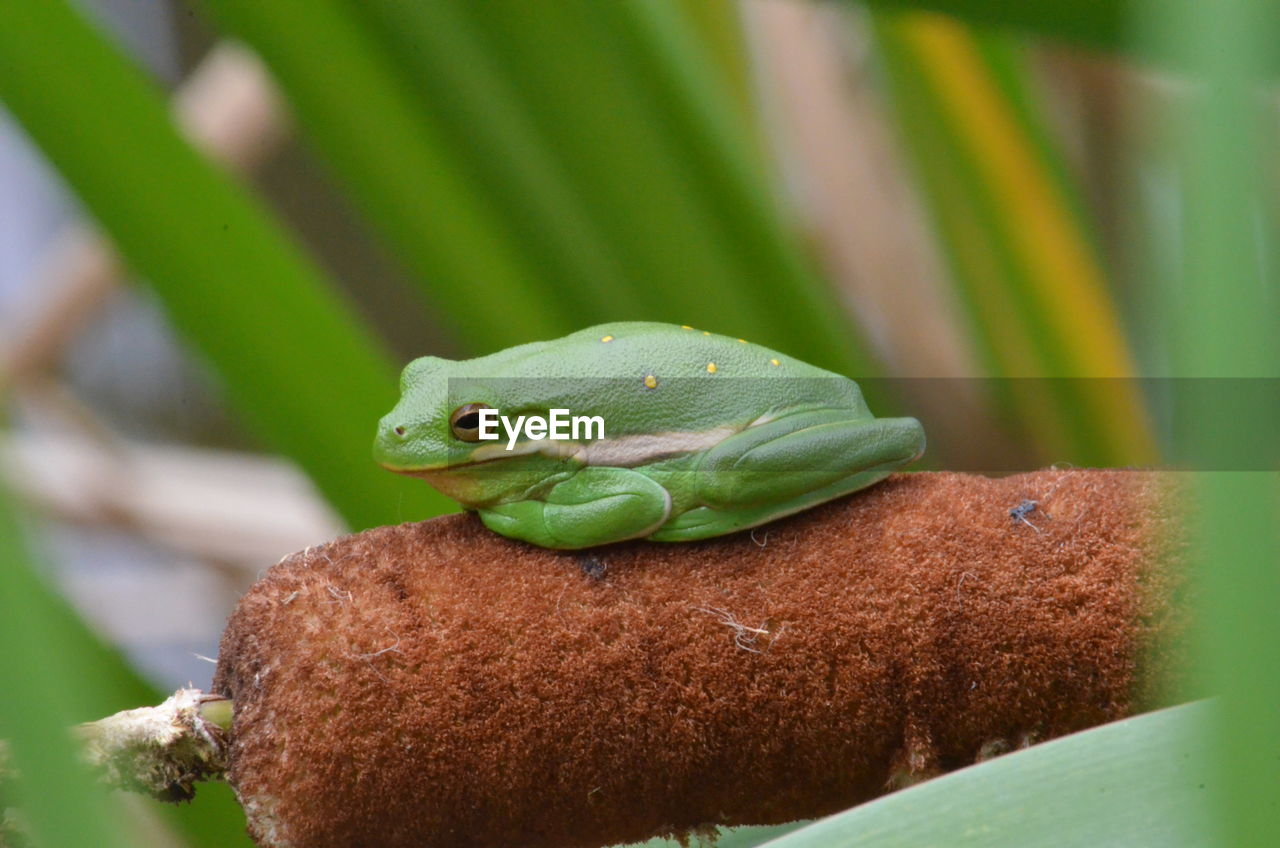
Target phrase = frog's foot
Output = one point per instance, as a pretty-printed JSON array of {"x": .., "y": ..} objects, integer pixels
[
  {"x": 593, "y": 507},
  {"x": 706, "y": 522}
]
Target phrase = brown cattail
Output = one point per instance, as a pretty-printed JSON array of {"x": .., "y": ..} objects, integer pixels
[{"x": 434, "y": 684}]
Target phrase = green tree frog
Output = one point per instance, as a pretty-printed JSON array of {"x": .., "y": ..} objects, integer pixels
[{"x": 684, "y": 435}]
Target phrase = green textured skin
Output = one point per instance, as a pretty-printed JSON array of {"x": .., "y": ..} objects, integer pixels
[{"x": 690, "y": 451}]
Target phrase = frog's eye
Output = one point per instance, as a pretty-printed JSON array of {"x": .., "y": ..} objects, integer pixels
[{"x": 465, "y": 422}]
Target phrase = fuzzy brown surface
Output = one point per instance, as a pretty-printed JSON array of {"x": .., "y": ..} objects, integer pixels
[{"x": 434, "y": 684}]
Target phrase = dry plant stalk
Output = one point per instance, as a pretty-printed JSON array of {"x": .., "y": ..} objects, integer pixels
[
  {"x": 434, "y": 684},
  {"x": 162, "y": 751}
]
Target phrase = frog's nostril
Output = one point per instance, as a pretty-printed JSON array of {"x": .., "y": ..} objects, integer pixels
[{"x": 399, "y": 431}]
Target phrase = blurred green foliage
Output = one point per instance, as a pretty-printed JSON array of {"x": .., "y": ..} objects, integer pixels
[
  {"x": 56, "y": 673},
  {"x": 48, "y": 674},
  {"x": 296, "y": 360},
  {"x": 1226, "y": 310},
  {"x": 1017, "y": 237},
  {"x": 546, "y": 166}
]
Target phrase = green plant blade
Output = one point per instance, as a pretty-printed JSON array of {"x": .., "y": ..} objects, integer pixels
[
  {"x": 465, "y": 93},
  {"x": 1226, "y": 309},
  {"x": 292, "y": 355},
  {"x": 463, "y": 96},
  {"x": 712, "y": 249},
  {"x": 1019, "y": 247},
  {"x": 541, "y": 166},
  {"x": 673, "y": 72},
  {"x": 1140, "y": 783},
  {"x": 67, "y": 674},
  {"x": 718, "y": 25},
  {"x": 44, "y": 692},
  {"x": 619, "y": 156},
  {"x": 1106, "y": 24},
  {"x": 369, "y": 125},
  {"x": 1094, "y": 23}
]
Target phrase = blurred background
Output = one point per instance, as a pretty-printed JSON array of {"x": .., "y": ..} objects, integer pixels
[{"x": 225, "y": 225}]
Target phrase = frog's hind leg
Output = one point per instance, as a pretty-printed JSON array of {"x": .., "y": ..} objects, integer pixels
[
  {"x": 593, "y": 507},
  {"x": 789, "y": 464},
  {"x": 706, "y": 522},
  {"x": 792, "y": 457}
]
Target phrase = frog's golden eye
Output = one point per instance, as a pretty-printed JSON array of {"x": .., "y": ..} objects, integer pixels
[{"x": 465, "y": 422}]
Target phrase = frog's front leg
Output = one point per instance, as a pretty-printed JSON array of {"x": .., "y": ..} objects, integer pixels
[{"x": 593, "y": 507}]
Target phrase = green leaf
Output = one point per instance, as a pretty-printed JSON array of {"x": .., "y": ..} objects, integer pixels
[
  {"x": 1093, "y": 23},
  {"x": 719, "y": 27},
  {"x": 370, "y": 126},
  {"x": 66, "y": 674},
  {"x": 1227, "y": 325},
  {"x": 582, "y": 93},
  {"x": 545, "y": 166},
  {"x": 674, "y": 84},
  {"x": 291, "y": 352},
  {"x": 1140, "y": 783},
  {"x": 1107, "y": 24},
  {"x": 1020, "y": 249},
  {"x": 47, "y": 681},
  {"x": 461, "y": 93}
]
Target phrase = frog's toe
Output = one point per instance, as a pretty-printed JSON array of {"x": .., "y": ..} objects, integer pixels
[
  {"x": 522, "y": 520},
  {"x": 707, "y": 522}
]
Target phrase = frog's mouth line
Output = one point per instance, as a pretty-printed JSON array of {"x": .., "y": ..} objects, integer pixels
[
  {"x": 486, "y": 456},
  {"x": 620, "y": 452}
]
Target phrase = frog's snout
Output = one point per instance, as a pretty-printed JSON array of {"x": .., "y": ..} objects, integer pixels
[
  {"x": 392, "y": 429},
  {"x": 389, "y": 447}
]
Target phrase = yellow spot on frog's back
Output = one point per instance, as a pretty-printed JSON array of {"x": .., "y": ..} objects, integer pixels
[
  {"x": 650, "y": 381},
  {"x": 774, "y": 362},
  {"x": 744, "y": 341},
  {"x": 607, "y": 339},
  {"x": 685, "y": 327},
  {"x": 706, "y": 333},
  {"x": 711, "y": 368}
]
